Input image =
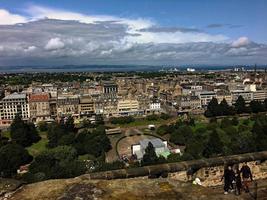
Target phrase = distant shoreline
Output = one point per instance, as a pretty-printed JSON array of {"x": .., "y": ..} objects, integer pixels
[{"x": 118, "y": 68}]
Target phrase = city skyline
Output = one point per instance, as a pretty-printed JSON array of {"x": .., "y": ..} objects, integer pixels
[{"x": 139, "y": 32}]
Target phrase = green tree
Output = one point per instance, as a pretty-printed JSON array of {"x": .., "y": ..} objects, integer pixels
[
  {"x": 181, "y": 135},
  {"x": 69, "y": 125},
  {"x": 12, "y": 156},
  {"x": 59, "y": 162},
  {"x": 54, "y": 133},
  {"x": 212, "y": 108},
  {"x": 94, "y": 143},
  {"x": 256, "y": 106},
  {"x": 162, "y": 130},
  {"x": 150, "y": 156},
  {"x": 260, "y": 136},
  {"x": 214, "y": 145},
  {"x": 225, "y": 109},
  {"x": 240, "y": 105},
  {"x": 23, "y": 133},
  {"x": 43, "y": 126}
]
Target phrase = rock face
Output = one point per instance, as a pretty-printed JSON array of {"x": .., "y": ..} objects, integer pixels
[{"x": 119, "y": 189}]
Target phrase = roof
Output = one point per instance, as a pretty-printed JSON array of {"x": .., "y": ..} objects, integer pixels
[
  {"x": 15, "y": 96},
  {"x": 157, "y": 143},
  {"x": 39, "y": 97}
]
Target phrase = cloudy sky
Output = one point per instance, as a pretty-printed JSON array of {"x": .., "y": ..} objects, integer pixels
[{"x": 154, "y": 32}]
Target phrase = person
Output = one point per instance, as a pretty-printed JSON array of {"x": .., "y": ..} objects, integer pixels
[
  {"x": 246, "y": 176},
  {"x": 228, "y": 177},
  {"x": 238, "y": 182}
]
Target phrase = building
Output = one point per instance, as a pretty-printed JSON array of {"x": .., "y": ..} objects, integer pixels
[
  {"x": 155, "y": 106},
  {"x": 260, "y": 95},
  {"x": 12, "y": 105},
  {"x": 247, "y": 95},
  {"x": 110, "y": 87},
  {"x": 227, "y": 97},
  {"x": 205, "y": 97},
  {"x": 190, "y": 102},
  {"x": 128, "y": 107},
  {"x": 67, "y": 106},
  {"x": 161, "y": 148},
  {"x": 86, "y": 106},
  {"x": 39, "y": 106}
]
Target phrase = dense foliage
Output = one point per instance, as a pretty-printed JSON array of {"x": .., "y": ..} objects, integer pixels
[
  {"x": 219, "y": 137},
  {"x": 122, "y": 120},
  {"x": 223, "y": 109},
  {"x": 93, "y": 142},
  {"x": 59, "y": 162},
  {"x": 23, "y": 133},
  {"x": 12, "y": 156}
]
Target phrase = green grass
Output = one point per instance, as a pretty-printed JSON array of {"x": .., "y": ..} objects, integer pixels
[
  {"x": 6, "y": 134},
  {"x": 40, "y": 146}
]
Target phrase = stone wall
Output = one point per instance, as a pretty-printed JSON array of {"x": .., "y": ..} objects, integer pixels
[{"x": 211, "y": 176}]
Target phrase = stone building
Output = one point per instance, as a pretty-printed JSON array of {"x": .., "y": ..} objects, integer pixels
[
  {"x": 67, "y": 106},
  {"x": 39, "y": 107},
  {"x": 14, "y": 104}
]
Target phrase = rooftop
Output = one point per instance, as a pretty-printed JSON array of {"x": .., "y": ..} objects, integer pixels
[{"x": 15, "y": 96}]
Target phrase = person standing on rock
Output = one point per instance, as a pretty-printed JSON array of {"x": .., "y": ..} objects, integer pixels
[
  {"x": 238, "y": 182},
  {"x": 246, "y": 176},
  {"x": 228, "y": 177}
]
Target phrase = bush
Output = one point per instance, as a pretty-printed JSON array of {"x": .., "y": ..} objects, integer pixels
[
  {"x": 43, "y": 126},
  {"x": 122, "y": 120},
  {"x": 162, "y": 130},
  {"x": 164, "y": 116},
  {"x": 12, "y": 156},
  {"x": 152, "y": 117}
]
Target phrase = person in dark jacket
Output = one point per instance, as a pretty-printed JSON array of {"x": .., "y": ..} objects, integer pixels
[
  {"x": 246, "y": 176},
  {"x": 228, "y": 177},
  {"x": 238, "y": 182}
]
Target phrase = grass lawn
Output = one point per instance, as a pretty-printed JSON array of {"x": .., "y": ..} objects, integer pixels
[
  {"x": 6, "y": 134},
  {"x": 40, "y": 146}
]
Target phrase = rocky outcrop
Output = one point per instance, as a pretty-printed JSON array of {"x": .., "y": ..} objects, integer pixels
[{"x": 120, "y": 189}]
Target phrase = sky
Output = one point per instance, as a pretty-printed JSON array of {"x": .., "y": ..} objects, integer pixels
[{"x": 154, "y": 32}]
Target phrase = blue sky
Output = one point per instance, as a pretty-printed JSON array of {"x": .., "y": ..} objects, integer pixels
[{"x": 235, "y": 28}]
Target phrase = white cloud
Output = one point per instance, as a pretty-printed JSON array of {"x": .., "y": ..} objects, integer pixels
[
  {"x": 7, "y": 18},
  {"x": 30, "y": 49},
  {"x": 54, "y": 44},
  {"x": 133, "y": 26},
  {"x": 176, "y": 37},
  {"x": 240, "y": 42},
  {"x": 58, "y": 36}
]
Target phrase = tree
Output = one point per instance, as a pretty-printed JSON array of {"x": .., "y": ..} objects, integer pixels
[
  {"x": 69, "y": 125},
  {"x": 225, "y": 109},
  {"x": 94, "y": 143},
  {"x": 162, "y": 130},
  {"x": 152, "y": 117},
  {"x": 150, "y": 156},
  {"x": 260, "y": 136},
  {"x": 12, "y": 156},
  {"x": 54, "y": 133},
  {"x": 23, "y": 133},
  {"x": 214, "y": 145},
  {"x": 240, "y": 105},
  {"x": 59, "y": 162},
  {"x": 256, "y": 106},
  {"x": 164, "y": 116},
  {"x": 43, "y": 126},
  {"x": 265, "y": 104},
  {"x": 235, "y": 121},
  {"x": 182, "y": 135},
  {"x": 212, "y": 108}
]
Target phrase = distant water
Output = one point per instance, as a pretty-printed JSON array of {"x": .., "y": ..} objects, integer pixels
[{"x": 109, "y": 68}]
